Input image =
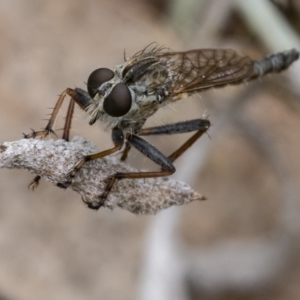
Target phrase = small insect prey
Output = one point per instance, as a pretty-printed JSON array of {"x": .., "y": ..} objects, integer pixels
[{"x": 124, "y": 98}]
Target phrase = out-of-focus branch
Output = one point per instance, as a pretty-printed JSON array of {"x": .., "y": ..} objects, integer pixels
[
  {"x": 250, "y": 264},
  {"x": 272, "y": 28},
  {"x": 268, "y": 24},
  {"x": 52, "y": 159}
]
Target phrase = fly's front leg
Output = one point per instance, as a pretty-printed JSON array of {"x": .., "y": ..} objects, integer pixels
[
  {"x": 80, "y": 97},
  {"x": 49, "y": 128},
  {"x": 77, "y": 96},
  {"x": 34, "y": 183},
  {"x": 68, "y": 121}
]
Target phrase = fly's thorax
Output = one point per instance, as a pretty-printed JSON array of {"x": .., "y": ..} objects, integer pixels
[{"x": 143, "y": 107}]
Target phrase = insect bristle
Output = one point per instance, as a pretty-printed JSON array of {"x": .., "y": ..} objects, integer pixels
[{"x": 153, "y": 49}]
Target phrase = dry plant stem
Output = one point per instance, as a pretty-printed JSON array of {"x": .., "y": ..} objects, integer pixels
[
  {"x": 263, "y": 18},
  {"x": 52, "y": 159}
]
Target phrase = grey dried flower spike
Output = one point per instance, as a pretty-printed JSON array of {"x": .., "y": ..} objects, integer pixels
[{"x": 52, "y": 160}]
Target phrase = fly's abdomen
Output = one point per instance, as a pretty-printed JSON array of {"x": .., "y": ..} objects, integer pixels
[{"x": 274, "y": 63}]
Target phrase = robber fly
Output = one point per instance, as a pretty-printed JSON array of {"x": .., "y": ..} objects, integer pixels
[{"x": 124, "y": 98}]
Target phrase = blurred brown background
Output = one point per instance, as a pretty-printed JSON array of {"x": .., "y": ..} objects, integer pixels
[{"x": 243, "y": 243}]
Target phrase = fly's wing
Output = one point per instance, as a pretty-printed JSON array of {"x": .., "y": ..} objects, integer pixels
[{"x": 196, "y": 70}]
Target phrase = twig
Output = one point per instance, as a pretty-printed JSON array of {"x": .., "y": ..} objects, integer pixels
[
  {"x": 263, "y": 18},
  {"x": 52, "y": 159}
]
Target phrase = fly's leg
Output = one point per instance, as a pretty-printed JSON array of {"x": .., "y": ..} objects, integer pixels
[
  {"x": 199, "y": 125},
  {"x": 175, "y": 128},
  {"x": 125, "y": 152},
  {"x": 34, "y": 183},
  {"x": 166, "y": 163},
  {"x": 66, "y": 132},
  {"x": 77, "y": 96},
  {"x": 152, "y": 153},
  {"x": 118, "y": 140},
  {"x": 49, "y": 128},
  {"x": 68, "y": 121},
  {"x": 80, "y": 97}
]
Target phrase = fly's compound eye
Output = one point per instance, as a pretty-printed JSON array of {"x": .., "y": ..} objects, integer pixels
[
  {"x": 98, "y": 77},
  {"x": 118, "y": 102}
]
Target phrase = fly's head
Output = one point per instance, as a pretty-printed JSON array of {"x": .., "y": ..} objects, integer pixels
[
  {"x": 112, "y": 99},
  {"x": 120, "y": 98}
]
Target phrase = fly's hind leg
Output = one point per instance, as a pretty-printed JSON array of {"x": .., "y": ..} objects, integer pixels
[
  {"x": 166, "y": 163},
  {"x": 199, "y": 125},
  {"x": 152, "y": 153}
]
